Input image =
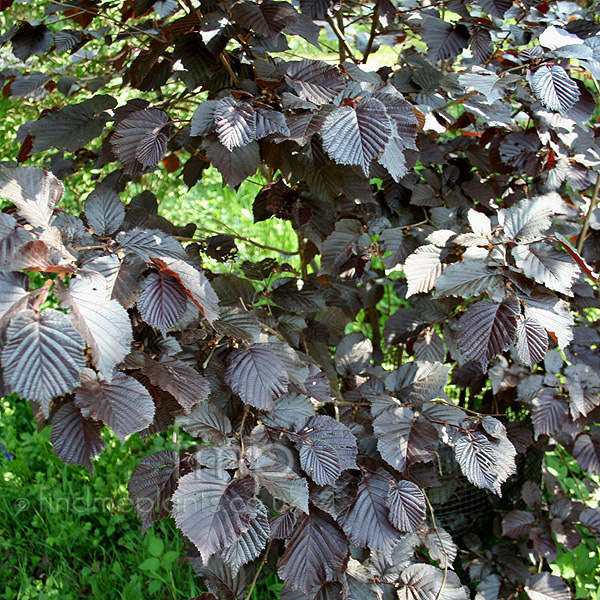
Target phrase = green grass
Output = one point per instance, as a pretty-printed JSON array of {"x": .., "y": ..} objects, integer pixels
[{"x": 65, "y": 534}]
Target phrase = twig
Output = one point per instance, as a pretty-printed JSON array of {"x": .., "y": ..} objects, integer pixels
[
  {"x": 241, "y": 431},
  {"x": 447, "y": 558},
  {"x": 345, "y": 50},
  {"x": 256, "y": 575},
  {"x": 212, "y": 351},
  {"x": 458, "y": 100},
  {"x": 440, "y": 401},
  {"x": 81, "y": 248},
  {"x": 225, "y": 62},
  {"x": 237, "y": 237},
  {"x": 588, "y": 216},
  {"x": 374, "y": 23}
]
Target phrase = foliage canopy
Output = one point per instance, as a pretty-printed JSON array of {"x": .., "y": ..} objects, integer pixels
[{"x": 445, "y": 210}]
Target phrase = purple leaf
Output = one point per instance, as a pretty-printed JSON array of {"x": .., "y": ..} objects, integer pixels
[
  {"x": 213, "y": 510},
  {"x": 124, "y": 404},
  {"x": 43, "y": 356},
  {"x": 315, "y": 553},
  {"x": 257, "y": 375},
  {"x": 75, "y": 440},
  {"x": 163, "y": 301}
]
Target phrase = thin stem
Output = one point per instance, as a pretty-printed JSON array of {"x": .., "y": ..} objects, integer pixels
[
  {"x": 237, "y": 237},
  {"x": 241, "y": 430},
  {"x": 588, "y": 215},
  {"x": 473, "y": 412},
  {"x": 258, "y": 571},
  {"x": 227, "y": 66},
  {"x": 446, "y": 557},
  {"x": 344, "y": 49},
  {"x": 458, "y": 100},
  {"x": 374, "y": 23},
  {"x": 211, "y": 353},
  {"x": 388, "y": 479},
  {"x": 81, "y": 248}
]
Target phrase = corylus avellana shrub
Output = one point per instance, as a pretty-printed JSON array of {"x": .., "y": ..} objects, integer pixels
[{"x": 442, "y": 302}]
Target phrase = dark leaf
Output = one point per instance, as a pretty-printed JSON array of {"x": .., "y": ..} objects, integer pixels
[
  {"x": 356, "y": 135},
  {"x": 417, "y": 381},
  {"x": 257, "y": 375},
  {"x": 527, "y": 220},
  {"x": 467, "y": 278},
  {"x": 73, "y": 126},
  {"x": 353, "y": 354},
  {"x": 250, "y": 543},
  {"x": 282, "y": 524},
  {"x": 235, "y": 164},
  {"x": 43, "y": 356},
  {"x": 485, "y": 463},
  {"x": 544, "y": 586},
  {"x": 407, "y": 506},
  {"x": 422, "y": 269},
  {"x": 75, "y": 440},
  {"x": 532, "y": 341},
  {"x": 124, "y": 404},
  {"x": 140, "y": 140},
  {"x": 584, "y": 389},
  {"x": 213, "y": 510},
  {"x": 549, "y": 412},
  {"x": 66, "y": 40},
  {"x": 552, "y": 314},
  {"x": 195, "y": 284},
  {"x": 402, "y": 439},
  {"x": 366, "y": 521},
  {"x": 547, "y": 266},
  {"x": 554, "y": 88},
  {"x": 13, "y": 294},
  {"x": 235, "y": 122},
  {"x": 444, "y": 39},
  {"x": 33, "y": 191},
  {"x": 326, "y": 448},
  {"x": 152, "y": 484},
  {"x": 203, "y": 119},
  {"x": 426, "y": 582},
  {"x": 278, "y": 478},
  {"x": 290, "y": 408},
  {"x": 495, "y": 7},
  {"x": 587, "y": 451},
  {"x": 124, "y": 277},
  {"x": 269, "y": 18},
  {"x": 163, "y": 301},
  {"x": 208, "y": 422},
  {"x": 316, "y": 552},
  {"x": 102, "y": 321},
  {"x": 104, "y": 211},
  {"x": 269, "y": 122},
  {"x": 314, "y": 80},
  {"x": 219, "y": 579},
  {"x": 147, "y": 243},
  {"x": 182, "y": 381},
  {"x": 517, "y": 523},
  {"x": 199, "y": 63},
  {"x": 487, "y": 328},
  {"x": 31, "y": 39}
]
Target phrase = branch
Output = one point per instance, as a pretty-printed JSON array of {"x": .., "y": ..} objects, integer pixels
[
  {"x": 262, "y": 564},
  {"x": 588, "y": 216},
  {"x": 344, "y": 48},
  {"x": 374, "y": 24},
  {"x": 437, "y": 531},
  {"x": 238, "y": 237}
]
